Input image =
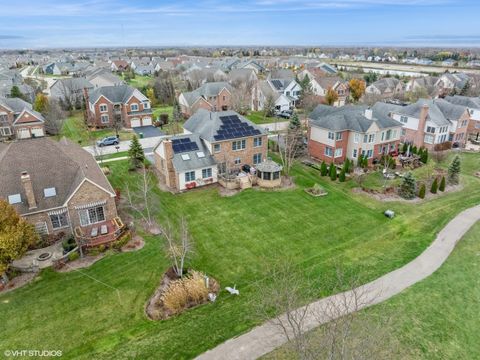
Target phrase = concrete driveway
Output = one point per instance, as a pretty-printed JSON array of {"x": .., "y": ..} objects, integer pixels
[
  {"x": 148, "y": 131},
  {"x": 147, "y": 144}
]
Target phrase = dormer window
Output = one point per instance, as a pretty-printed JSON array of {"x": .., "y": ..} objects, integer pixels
[
  {"x": 14, "y": 199},
  {"x": 134, "y": 107},
  {"x": 49, "y": 192},
  {"x": 146, "y": 104}
]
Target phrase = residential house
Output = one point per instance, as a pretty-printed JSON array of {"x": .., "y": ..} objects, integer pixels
[
  {"x": 144, "y": 70},
  {"x": 284, "y": 93},
  {"x": 119, "y": 65},
  {"x": 19, "y": 121},
  {"x": 472, "y": 104},
  {"x": 335, "y": 134},
  {"x": 242, "y": 76},
  {"x": 11, "y": 78},
  {"x": 321, "y": 85},
  {"x": 100, "y": 77},
  {"x": 428, "y": 123},
  {"x": 213, "y": 96},
  {"x": 451, "y": 82},
  {"x": 425, "y": 82},
  {"x": 113, "y": 106},
  {"x": 70, "y": 91},
  {"x": 385, "y": 88},
  {"x": 59, "y": 188},
  {"x": 214, "y": 144}
]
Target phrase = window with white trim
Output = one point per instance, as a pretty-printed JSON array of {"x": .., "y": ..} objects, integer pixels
[
  {"x": 371, "y": 138},
  {"x": 356, "y": 138},
  {"x": 14, "y": 199},
  {"x": 328, "y": 151},
  {"x": 5, "y": 131},
  {"x": 428, "y": 139},
  {"x": 189, "y": 176},
  {"x": 338, "y": 152},
  {"x": 41, "y": 228},
  {"x": 134, "y": 107},
  {"x": 257, "y": 158},
  {"x": 404, "y": 119},
  {"x": 216, "y": 148},
  {"x": 103, "y": 108},
  {"x": 146, "y": 104},
  {"x": 238, "y": 145},
  {"x": 354, "y": 153},
  {"x": 369, "y": 154},
  {"x": 59, "y": 220},
  {"x": 338, "y": 136},
  {"x": 104, "y": 119},
  {"x": 331, "y": 135},
  {"x": 257, "y": 142},
  {"x": 237, "y": 161},
  {"x": 430, "y": 130},
  {"x": 206, "y": 173},
  {"x": 91, "y": 215}
]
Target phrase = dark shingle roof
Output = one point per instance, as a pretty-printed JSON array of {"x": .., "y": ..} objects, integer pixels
[
  {"x": 62, "y": 165},
  {"x": 116, "y": 94}
]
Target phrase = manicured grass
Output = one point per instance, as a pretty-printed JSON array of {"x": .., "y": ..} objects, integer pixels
[
  {"x": 141, "y": 81},
  {"x": 98, "y": 313},
  {"x": 163, "y": 109},
  {"x": 170, "y": 128},
  {"x": 438, "y": 317},
  {"x": 74, "y": 129},
  {"x": 112, "y": 156},
  {"x": 258, "y": 118}
]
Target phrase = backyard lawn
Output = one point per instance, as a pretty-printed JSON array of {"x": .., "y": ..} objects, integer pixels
[
  {"x": 98, "y": 312},
  {"x": 141, "y": 81},
  {"x": 74, "y": 129},
  {"x": 258, "y": 118},
  {"x": 438, "y": 317}
]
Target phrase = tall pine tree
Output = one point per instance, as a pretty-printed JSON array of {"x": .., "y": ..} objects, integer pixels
[
  {"x": 135, "y": 153},
  {"x": 454, "y": 171}
]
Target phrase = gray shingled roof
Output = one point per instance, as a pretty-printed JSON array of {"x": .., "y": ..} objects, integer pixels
[
  {"x": 17, "y": 105},
  {"x": 195, "y": 162},
  {"x": 470, "y": 102},
  {"x": 116, "y": 94},
  {"x": 348, "y": 118},
  {"x": 49, "y": 163},
  {"x": 206, "y": 123},
  {"x": 208, "y": 89}
]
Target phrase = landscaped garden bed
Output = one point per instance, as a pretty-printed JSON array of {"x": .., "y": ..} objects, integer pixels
[
  {"x": 175, "y": 294},
  {"x": 316, "y": 191}
]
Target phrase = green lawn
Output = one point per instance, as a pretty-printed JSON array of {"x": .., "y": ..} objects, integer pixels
[
  {"x": 170, "y": 128},
  {"x": 258, "y": 118},
  {"x": 74, "y": 129},
  {"x": 98, "y": 313},
  {"x": 141, "y": 81},
  {"x": 438, "y": 317}
]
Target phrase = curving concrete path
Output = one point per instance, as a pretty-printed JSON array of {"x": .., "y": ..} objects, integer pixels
[{"x": 266, "y": 338}]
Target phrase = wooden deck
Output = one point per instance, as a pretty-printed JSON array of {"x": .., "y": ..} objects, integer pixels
[{"x": 115, "y": 229}]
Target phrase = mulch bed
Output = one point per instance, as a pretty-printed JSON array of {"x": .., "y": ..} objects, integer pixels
[
  {"x": 391, "y": 195},
  {"x": 154, "y": 308},
  {"x": 136, "y": 243},
  {"x": 18, "y": 282}
]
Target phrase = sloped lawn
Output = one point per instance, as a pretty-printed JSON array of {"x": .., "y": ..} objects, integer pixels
[{"x": 98, "y": 312}]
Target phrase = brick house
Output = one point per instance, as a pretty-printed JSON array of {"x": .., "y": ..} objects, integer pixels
[
  {"x": 119, "y": 65},
  {"x": 112, "y": 105},
  {"x": 212, "y": 96},
  {"x": 385, "y": 88},
  {"x": 19, "y": 121},
  {"x": 335, "y": 134},
  {"x": 428, "y": 123},
  {"x": 59, "y": 188},
  {"x": 472, "y": 104},
  {"x": 214, "y": 144}
]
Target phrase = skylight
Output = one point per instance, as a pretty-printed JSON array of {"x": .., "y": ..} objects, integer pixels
[
  {"x": 14, "y": 199},
  {"x": 201, "y": 154},
  {"x": 185, "y": 157},
  {"x": 49, "y": 192}
]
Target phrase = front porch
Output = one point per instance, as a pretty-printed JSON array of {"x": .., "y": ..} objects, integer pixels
[{"x": 100, "y": 233}]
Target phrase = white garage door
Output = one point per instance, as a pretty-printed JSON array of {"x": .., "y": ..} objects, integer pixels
[
  {"x": 23, "y": 133},
  {"x": 147, "y": 121},
  {"x": 135, "y": 123},
  {"x": 37, "y": 132}
]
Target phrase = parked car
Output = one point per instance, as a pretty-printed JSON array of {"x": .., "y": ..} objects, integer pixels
[
  {"x": 286, "y": 114},
  {"x": 109, "y": 140}
]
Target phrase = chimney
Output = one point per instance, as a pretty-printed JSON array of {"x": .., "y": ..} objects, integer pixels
[
  {"x": 369, "y": 113},
  {"x": 422, "y": 120},
  {"x": 170, "y": 177},
  {"x": 28, "y": 187}
]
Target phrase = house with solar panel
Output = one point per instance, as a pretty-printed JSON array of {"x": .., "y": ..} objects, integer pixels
[{"x": 214, "y": 145}]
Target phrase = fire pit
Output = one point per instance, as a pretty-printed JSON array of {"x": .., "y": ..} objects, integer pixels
[{"x": 44, "y": 256}]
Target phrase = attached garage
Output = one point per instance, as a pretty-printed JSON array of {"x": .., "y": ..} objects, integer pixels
[
  {"x": 37, "y": 132},
  {"x": 147, "y": 121},
  {"x": 23, "y": 133},
  {"x": 135, "y": 123}
]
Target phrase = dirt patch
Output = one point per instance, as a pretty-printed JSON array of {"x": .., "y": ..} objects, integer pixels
[
  {"x": 155, "y": 309},
  {"x": 18, "y": 282},
  {"x": 80, "y": 263},
  {"x": 392, "y": 196},
  {"x": 227, "y": 192},
  {"x": 136, "y": 243}
]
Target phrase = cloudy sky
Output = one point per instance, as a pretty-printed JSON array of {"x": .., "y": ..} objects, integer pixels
[{"x": 85, "y": 23}]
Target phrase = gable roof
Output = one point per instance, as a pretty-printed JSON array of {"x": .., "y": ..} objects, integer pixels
[
  {"x": 470, "y": 102},
  {"x": 208, "y": 89},
  {"x": 116, "y": 94},
  {"x": 348, "y": 117},
  {"x": 207, "y": 124},
  {"x": 62, "y": 165},
  {"x": 194, "y": 161}
]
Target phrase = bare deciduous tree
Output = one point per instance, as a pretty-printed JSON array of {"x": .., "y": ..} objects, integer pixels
[
  {"x": 139, "y": 200},
  {"x": 54, "y": 118},
  {"x": 179, "y": 245},
  {"x": 346, "y": 332}
]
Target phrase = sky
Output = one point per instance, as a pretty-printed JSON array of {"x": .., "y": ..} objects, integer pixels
[{"x": 111, "y": 23}]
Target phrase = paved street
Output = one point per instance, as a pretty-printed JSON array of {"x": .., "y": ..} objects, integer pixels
[{"x": 266, "y": 338}]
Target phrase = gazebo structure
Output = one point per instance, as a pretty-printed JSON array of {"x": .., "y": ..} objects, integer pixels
[{"x": 268, "y": 174}]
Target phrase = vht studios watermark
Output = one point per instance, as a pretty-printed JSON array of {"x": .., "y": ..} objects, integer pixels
[{"x": 32, "y": 353}]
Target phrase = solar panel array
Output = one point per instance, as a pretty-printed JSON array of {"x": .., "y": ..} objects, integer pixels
[
  {"x": 278, "y": 84},
  {"x": 183, "y": 145},
  {"x": 232, "y": 127}
]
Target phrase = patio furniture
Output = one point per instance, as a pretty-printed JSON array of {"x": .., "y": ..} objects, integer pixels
[
  {"x": 103, "y": 230},
  {"x": 94, "y": 232}
]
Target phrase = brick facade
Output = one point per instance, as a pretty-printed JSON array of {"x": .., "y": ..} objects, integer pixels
[{"x": 228, "y": 155}]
